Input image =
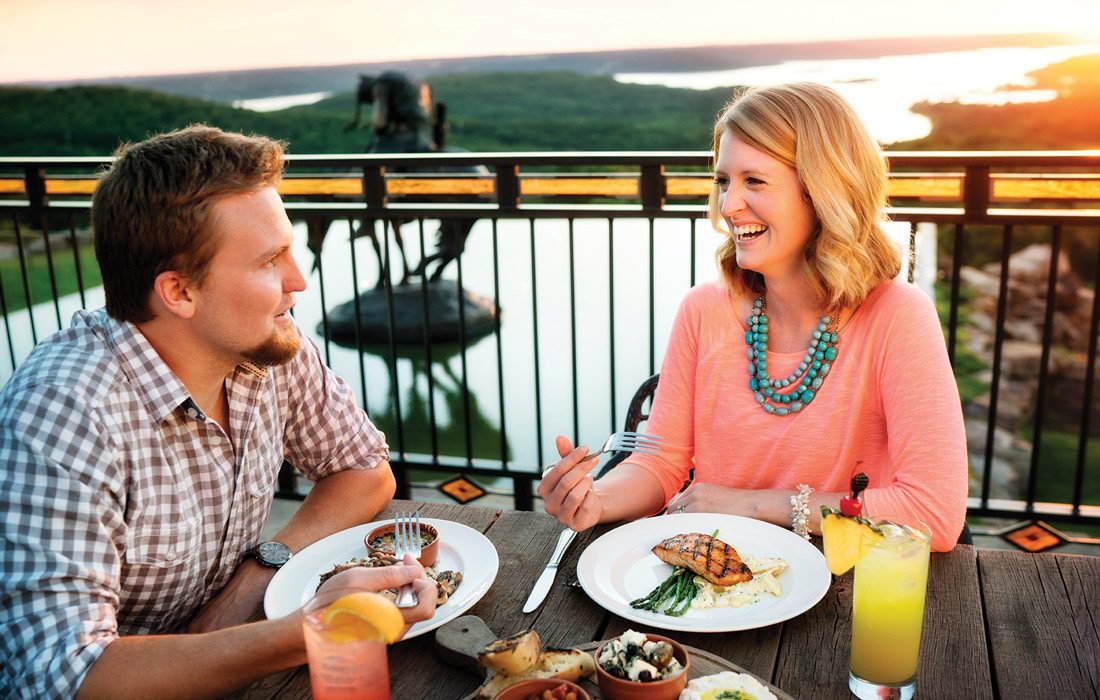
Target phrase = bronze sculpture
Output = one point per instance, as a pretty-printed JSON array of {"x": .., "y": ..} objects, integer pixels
[{"x": 404, "y": 119}]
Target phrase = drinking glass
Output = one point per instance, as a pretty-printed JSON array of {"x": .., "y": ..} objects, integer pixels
[
  {"x": 342, "y": 665},
  {"x": 888, "y": 611}
]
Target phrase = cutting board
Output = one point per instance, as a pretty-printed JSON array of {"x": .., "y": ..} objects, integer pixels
[{"x": 459, "y": 641}]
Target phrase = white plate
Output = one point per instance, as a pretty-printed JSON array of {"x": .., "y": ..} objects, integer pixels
[
  {"x": 619, "y": 567},
  {"x": 461, "y": 549}
]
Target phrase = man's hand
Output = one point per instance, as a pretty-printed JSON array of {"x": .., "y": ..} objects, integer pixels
[{"x": 385, "y": 577}]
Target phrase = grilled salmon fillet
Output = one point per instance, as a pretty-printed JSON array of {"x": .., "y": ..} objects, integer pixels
[{"x": 706, "y": 556}]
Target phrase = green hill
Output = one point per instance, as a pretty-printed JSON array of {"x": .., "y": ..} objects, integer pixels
[
  {"x": 571, "y": 112},
  {"x": 93, "y": 120},
  {"x": 488, "y": 112}
]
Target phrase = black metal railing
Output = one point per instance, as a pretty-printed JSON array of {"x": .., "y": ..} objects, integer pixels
[{"x": 585, "y": 256}]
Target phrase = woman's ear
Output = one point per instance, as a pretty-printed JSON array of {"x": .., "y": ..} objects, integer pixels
[{"x": 173, "y": 292}]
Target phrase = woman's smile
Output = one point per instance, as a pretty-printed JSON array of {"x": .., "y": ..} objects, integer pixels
[{"x": 743, "y": 234}]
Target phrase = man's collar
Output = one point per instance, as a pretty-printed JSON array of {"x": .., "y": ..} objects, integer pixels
[
  {"x": 151, "y": 377},
  {"x": 159, "y": 387},
  {"x": 253, "y": 369}
]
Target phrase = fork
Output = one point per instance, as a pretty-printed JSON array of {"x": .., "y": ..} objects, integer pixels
[
  {"x": 406, "y": 540},
  {"x": 626, "y": 441}
]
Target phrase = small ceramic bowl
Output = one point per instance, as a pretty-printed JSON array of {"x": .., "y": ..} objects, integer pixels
[
  {"x": 428, "y": 553},
  {"x": 668, "y": 689},
  {"x": 535, "y": 687}
]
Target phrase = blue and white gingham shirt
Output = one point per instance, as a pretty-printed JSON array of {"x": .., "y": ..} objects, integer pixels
[{"x": 124, "y": 509}]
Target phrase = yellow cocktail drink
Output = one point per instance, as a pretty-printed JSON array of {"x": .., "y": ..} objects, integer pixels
[{"x": 888, "y": 607}]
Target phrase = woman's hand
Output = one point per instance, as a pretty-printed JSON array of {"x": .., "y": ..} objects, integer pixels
[
  {"x": 710, "y": 498},
  {"x": 769, "y": 505},
  {"x": 567, "y": 487},
  {"x": 385, "y": 577},
  {"x": 707, "y": 498}
]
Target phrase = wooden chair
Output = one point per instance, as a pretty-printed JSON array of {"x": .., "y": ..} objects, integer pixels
[{"x": 636, "y": 414}]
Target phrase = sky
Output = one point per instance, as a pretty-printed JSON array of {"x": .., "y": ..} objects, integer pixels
[{"x": 71, "y": 39}]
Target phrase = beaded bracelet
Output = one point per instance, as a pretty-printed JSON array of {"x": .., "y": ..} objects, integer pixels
[{"x": 800, "y": 511}]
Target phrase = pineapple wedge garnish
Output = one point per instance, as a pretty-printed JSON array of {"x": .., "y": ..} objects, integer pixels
[{"x": 846, "y": 538}]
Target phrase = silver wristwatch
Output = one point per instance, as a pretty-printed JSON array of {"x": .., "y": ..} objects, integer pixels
[{"x": 270, "y": 554}]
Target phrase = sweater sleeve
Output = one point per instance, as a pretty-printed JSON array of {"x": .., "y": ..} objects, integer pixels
[
  {"x": 672, "y": 413},
  {"x": 924, "y": 423}
]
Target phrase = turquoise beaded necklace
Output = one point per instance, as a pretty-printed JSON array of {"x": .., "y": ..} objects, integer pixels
[{"x": 782, "y": 397}]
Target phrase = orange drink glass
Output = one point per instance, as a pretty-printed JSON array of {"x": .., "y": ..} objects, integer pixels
[{"x": 347, "y": 658}]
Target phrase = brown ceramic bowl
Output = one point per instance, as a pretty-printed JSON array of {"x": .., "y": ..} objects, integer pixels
[
  {"x": 668, "y": 689},
  {"x": 535, "y": 686},
  {"x": 428, "y": 553}
]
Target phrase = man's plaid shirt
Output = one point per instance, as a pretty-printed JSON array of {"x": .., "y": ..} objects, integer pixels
[{"x": 124, "y": 509}]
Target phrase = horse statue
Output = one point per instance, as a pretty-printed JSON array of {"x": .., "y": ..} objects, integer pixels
[{"x": 405, "y": 120}]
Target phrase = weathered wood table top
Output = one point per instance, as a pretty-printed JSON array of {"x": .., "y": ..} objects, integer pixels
[{"x": 998, "y": 624}]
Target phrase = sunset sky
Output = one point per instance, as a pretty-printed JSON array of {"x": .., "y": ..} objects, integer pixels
[{"x": 66, "y": 39}]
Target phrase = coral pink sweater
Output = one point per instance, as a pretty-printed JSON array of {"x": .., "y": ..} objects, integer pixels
[{"x": 889, "y": 407}]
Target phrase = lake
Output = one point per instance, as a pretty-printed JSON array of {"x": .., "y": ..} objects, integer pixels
[
  {"x": 278, "y": 102},
  {"x": 882, "y": 90}
]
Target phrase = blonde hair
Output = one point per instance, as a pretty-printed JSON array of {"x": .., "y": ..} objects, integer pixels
[{"x": 842, "y": 170}]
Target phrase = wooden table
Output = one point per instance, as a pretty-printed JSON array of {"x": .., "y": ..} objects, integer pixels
[{"x": 998, "y": 625}]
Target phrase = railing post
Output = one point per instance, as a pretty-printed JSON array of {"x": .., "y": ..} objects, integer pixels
[
  {"x": 653, "y": 187},
  {"x": 507, "y": 184},
  {"x": 34, "y": 182},
  {"x": 374, "y": 186},
  {"x": 522, "y": 497},
  {"x": 976, "y": 192}
]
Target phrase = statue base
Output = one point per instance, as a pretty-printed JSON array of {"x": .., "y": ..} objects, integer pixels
[{"x": 442, "y": 301}]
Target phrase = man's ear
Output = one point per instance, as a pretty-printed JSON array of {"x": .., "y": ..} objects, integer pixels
[{"x": 173, "y": 292}]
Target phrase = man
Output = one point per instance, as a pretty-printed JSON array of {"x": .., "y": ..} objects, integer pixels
[{"x": 141, "y": 445}]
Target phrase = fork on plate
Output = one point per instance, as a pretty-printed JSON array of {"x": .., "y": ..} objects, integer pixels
[
  {"x": 626, "y": 441},
  {"x": 406, "y": 540}
]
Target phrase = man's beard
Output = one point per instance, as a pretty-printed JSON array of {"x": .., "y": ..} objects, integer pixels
[{"x": 278, "y": 349}]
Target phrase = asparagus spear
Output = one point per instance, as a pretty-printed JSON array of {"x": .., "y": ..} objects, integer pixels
[
  {"x": 684, "y": 596},
  {"x": 651, "y": 601},
  {"x": 658, "y": 594},
  {"x": 672, "y": 596}
]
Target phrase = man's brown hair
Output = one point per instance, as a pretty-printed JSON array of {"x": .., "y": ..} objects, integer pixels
[{"x": 149, "y": 209}]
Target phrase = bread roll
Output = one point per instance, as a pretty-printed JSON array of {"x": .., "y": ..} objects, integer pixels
[
  {"x": 512, "y": 655},
  {"x": 566, "y": 664}
]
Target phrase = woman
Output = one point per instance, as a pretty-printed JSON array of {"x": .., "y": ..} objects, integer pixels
[{"x": 846, "y": 371}]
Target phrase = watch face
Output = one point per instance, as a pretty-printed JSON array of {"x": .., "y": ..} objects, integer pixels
[{"x": 273, "y": 553}]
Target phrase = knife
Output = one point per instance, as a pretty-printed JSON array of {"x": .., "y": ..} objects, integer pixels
[{"x": 546, "y": 578}]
